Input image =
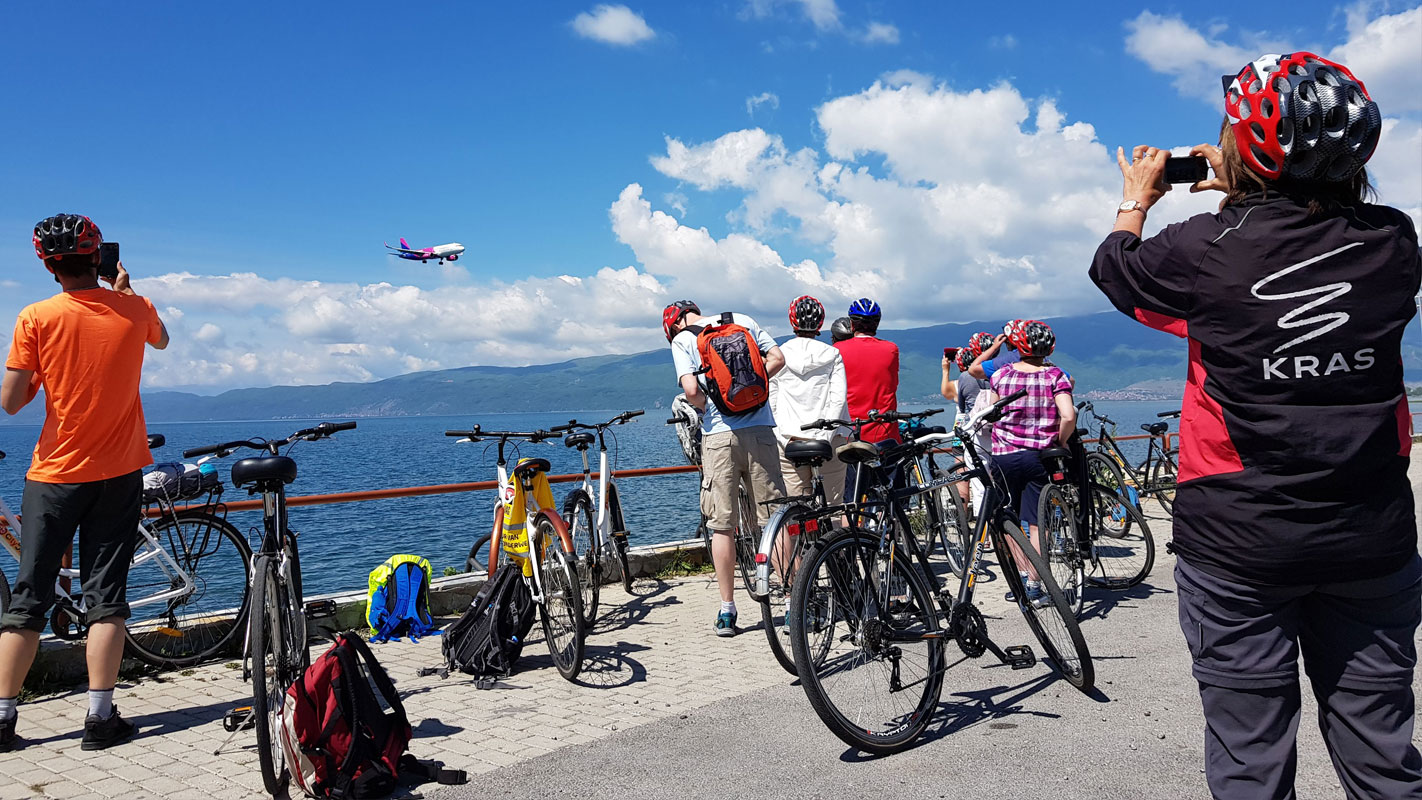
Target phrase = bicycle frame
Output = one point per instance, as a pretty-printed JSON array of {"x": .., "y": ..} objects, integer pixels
[
  {"x": 1140, "y": 473},
  {"x": 602, "y": 523}
]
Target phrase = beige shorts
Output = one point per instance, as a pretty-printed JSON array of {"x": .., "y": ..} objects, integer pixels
[
  {"x": 749, "y": 457},
  {"x": 799, "y": 480}
]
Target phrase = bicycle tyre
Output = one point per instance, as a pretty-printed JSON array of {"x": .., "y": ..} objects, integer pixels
[
  {"x": 619, "y": 542},
  {"x": 1122, "y": 560},
  {"x": 268, "y": 673},
  {"x": 183, "y": 632},
  {"x": 1163, "y": 481},
  {"x": 747, "y": 543},
  {"x": 1050, "y": 619},
  {"x": 838, "y": 556},
  {"x": 560, "y": 611},
  {"x": 775, "y": 604},
  {"x": 1056, "y": 520},
  {"x": 957, "y": 538},
  {"x": 1103, "y": 469},
  {"x": 582, "y": 529}
]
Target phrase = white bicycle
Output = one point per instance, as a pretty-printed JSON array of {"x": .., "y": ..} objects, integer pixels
[
  {"x": 187, "y": 584},
  {"x": 601, "y": 535}
]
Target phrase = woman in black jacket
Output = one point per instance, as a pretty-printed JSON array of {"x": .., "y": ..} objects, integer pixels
[{"x": 1294, "y": 520}]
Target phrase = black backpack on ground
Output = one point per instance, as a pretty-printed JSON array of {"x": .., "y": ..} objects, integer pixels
[{"x": 487, "y": 640}]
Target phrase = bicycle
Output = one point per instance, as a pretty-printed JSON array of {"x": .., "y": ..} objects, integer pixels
[
  {"x": 1119, "y": 555},
  {"x": 602, "y": 534},
  {"x": 175, "y": 620},
  {"x": 941, "y": 516},
  {"x": 277, "y": 651},
  {"x": 547, "y": 557},
  {"x": 747, "y": 534},
  {"x": 1153, "y": 477},
  {"x": 869, "y": 600}
]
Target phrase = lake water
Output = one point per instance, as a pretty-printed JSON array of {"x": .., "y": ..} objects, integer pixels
[{"x": 341, "y": 543}]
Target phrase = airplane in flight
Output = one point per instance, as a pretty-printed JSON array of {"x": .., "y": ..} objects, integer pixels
[{"x": 443, "y": 252}]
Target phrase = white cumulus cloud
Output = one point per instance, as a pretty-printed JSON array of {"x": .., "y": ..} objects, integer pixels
[{"x": 615, "y": 25}]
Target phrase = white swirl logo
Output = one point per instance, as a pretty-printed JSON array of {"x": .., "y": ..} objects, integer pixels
[{"x": 1294, "y": 319}]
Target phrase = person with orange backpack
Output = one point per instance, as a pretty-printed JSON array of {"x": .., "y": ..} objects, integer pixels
[{"x": 724, "y": 365}]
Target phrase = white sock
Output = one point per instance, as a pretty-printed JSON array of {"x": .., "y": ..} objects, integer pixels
[
  {"x": 101, "y": 704},
  {"x": 728, "y": 607},
  {"x": 7, "y": 707}
]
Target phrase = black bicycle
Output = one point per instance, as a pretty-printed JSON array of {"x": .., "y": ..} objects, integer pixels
[
  {"x": 1153, "y": 477},
  {"x": 868, "y": 618},
  {"x": 277, "y": 645},
  {"x": 1104, "y": 542}
]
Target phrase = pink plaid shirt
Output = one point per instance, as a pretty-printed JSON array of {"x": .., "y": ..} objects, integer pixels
[{"x": 1031, "y": 422}]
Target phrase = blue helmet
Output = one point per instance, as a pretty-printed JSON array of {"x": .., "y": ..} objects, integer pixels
[{"x": 864, "y": 307}]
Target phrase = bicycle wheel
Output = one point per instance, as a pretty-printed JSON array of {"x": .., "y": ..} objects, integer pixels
[
  {"x": 619, "y": 536},
  {"x": 1057, "y": 522},
  {"x": 270, "y": 677},
  {"x": 561, "y": 607},
  {"x": 204, "y": 622},
  {"x": 1120, "y": 561},
  {"x": 1102, "y": 469},
  {"x": 787, "y": 548},
  {"x": 1049, "y": 618},
  {"x": 956, "y": 538},
  {"x": 1162, "y": 481},
  {"x": 578, "y": 512},
  {"x": 878, "y": 680},
  {"x": 747, "y": 543}
]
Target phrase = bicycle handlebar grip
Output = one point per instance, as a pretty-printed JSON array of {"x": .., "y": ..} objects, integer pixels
[
  {"x": 1174, "y": 413},
  {"x": 339, "y": 426},
  {"x": 630, "y": 414},
  {"x": 1081, "y": 405},
  {"x": 156, "y": 440},
  {"x": 676, "y": 420},
  {"x": 1108, "y": 420},
  {"x": 203, "y": 451},
  {"x": 562, "y": 428},
  {"x": 930, "y": 412},
  {"x": 474, "y": 432}
]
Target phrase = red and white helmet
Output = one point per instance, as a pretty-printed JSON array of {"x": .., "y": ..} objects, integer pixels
[
  {"x": 981, "y": 341},
  {"x": 965, "y": 358},
  {"x": 66, "y": 234},
  {"x": 1033, "y": 338},
  {"x": 807, "y": 314},
  {"x": 1303, "y": 117},
  {"x": 673, "y": 313}
]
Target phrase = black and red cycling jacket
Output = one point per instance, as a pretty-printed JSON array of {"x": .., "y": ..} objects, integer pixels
[{"x": 1294, "y": 428}]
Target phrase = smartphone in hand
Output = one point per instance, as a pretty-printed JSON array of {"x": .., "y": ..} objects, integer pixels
[
  {"x": 951, "y": 353},
  {"x": 108, "y": 260},
  {"x": 1186, "y": 169}
]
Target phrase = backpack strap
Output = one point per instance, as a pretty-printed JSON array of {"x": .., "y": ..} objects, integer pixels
[{"x": 425, "y": 770}]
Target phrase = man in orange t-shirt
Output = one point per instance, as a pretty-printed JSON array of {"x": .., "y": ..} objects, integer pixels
[{"x": 85, "y": 347}]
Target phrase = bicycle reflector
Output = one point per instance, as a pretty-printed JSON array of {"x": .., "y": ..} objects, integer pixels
[{"x": 760, "y": 558}]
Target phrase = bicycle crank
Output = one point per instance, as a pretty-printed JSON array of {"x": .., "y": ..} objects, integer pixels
[{"x": 969, "y": 629}]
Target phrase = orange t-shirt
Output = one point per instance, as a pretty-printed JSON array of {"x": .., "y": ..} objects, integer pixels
[{"x": 87, "y": 349}]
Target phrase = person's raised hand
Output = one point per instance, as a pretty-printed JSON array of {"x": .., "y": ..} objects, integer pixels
[
  {"x": 947, "y": 364},
  {"x": 120, "y": 281},
  {"x": 1143, "y": 175},
  {"x": 1215, "y": 182}
]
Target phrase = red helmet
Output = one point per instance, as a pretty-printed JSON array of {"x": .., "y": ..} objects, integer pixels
[
  {"x": 965, "y": 358},
  {"x": 981, "y": 341},
  {"x": 673, "y": 313},
  {"x": 807, "y": 314},
  {"x": 1033, "y": 338},
  {"x": 1303, "y": 117},
  {"x": 66, "y": 234}
]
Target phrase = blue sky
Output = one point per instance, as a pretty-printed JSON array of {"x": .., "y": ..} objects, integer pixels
[{"x": 252, "y": 159}]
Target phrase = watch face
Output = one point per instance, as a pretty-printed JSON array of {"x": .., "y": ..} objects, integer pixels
[{"x": 1129, "y": 205}]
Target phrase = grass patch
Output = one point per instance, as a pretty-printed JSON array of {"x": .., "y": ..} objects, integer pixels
[
  {"x": 450, "y": 571},
  {"x": 682, "y": 564}
]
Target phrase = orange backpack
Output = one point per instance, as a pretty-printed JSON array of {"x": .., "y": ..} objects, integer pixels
[{"x": 736, "y": 378}]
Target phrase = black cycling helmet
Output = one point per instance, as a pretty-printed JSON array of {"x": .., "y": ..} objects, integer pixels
[
  {"x": 806, "y": 314},
  {"x": 841, "y": 329},
  {"x": 66, "y": 235}
]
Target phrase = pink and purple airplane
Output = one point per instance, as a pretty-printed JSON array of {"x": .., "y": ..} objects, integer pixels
[{"x": 442, "y": 253}]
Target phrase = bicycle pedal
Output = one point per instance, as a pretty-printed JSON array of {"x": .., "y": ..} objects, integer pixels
[
  {"x": 1020, "y": 656},
  {"x": 319, "y": 609},
  {"x": 620, "y": 536},
  {"x": 239, "y": 718}
]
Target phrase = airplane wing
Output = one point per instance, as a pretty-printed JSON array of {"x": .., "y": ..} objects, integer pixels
[{"x": 402, "y": 250}]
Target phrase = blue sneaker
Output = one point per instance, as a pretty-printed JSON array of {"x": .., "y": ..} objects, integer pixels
[{"x": 726, "y": 623}]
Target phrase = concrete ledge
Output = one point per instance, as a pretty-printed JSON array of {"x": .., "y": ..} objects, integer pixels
[{"x": 61, "y": 663}]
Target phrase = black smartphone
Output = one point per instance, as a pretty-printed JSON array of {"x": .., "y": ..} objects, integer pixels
[
  {"x": 1186, "y": 169},
  {"x": 950, "y": 352},
  {"x": 108, "y": 260}
]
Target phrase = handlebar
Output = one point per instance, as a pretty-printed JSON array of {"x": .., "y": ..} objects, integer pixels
[
  {"x": 321, "y": 431},
  {"x": 1090, "y": 409},
  {"x": 479, "y": 434},
  {"x": 620, "y": 419},
  {"x": 1172, "y": 414}
]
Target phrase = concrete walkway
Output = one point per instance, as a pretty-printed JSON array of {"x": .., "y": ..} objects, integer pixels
[{"x": 665, "y": 709}]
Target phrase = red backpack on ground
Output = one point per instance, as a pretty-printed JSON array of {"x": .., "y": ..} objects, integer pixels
[
  {"x": 736, "y": 378},
  {"x": 344, "y": 730}
]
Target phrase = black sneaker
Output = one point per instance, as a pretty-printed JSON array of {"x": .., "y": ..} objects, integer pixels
[
  {"x": 8, "y": 740},
  {"x": 100, "y": 734}
]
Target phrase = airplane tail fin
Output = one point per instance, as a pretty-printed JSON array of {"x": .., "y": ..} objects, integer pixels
[{"x": 404, "y": 244}]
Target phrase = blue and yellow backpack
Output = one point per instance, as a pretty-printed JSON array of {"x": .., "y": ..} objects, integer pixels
[{"x": 398, "y": 602}]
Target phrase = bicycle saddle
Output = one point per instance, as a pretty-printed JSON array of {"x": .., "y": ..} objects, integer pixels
[
  {"x": 263, "y": 468},
  {"x": 580, "y": 439},
  {"x": 857, "y": 452},
  {"x": 808, "y": 452},
  {"x": 1054, "y": 453},
  {"x": 1156, "y": 428},
  {"x": 532, "y": 465}
]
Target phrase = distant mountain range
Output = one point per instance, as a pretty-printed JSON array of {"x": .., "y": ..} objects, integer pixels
[{"x": 1109, "y": 355}]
